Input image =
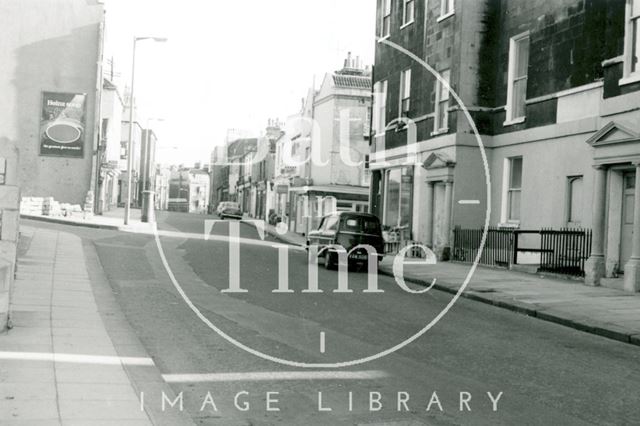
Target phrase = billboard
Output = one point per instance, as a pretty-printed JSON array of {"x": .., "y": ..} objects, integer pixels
[{"x": 63, "y": 124}]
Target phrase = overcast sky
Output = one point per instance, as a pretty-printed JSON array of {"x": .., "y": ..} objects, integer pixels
[{"x": 230, "y": 64}]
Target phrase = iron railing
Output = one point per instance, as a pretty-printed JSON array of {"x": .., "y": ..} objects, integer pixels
[
  {"x": 565, "y": 251},
  {"x": 562, "y": 251},
  {"x": 498, "y": 249}
]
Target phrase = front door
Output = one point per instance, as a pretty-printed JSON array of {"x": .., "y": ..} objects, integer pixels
[
  {"x": 628, "y": 200},
  {"x": 439, "y": 232}
]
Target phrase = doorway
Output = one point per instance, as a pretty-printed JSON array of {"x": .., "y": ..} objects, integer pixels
[
  {"x": 438, "y": 231},
  {"x": 626, "y": 232}
]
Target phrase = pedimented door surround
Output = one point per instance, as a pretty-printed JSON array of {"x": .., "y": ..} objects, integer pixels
[
  {"x": 439, "y": 198},
  {"x": 616, "y": 150}
]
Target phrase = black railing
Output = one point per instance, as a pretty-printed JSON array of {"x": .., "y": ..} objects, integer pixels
[
  {"x": 563, "y": 251},
  {"x": 498, "y": 249}
]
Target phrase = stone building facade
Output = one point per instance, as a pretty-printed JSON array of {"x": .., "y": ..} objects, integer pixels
[
  {"x": 552, "y": 88},
  {"x": 51, "y": 48}
]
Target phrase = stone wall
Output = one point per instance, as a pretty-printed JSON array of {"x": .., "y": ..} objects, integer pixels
[{"x": 9, "y": 226}]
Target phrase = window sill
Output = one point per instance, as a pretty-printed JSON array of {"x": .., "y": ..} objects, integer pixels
[
  {"x": 440, "y": 132},
  {"x": 407, "y": 24},
  {"x": 448, "y": 15},
  {"x": 631, "y": 78},
  {"x": 514, "y": 121},
  {"x": 381, "y": 39},
  {"x": 509, "y": 224}
]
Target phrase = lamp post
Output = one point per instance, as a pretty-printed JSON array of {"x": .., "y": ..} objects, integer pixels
[{"x": 127, "y": 206}]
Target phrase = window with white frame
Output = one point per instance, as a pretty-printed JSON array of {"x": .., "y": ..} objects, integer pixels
[
  {"x": 385, "y": 24},
  {"x": 441, "y": 121},
  {"x": 405, "y": 92},
  {"x": 632, "y": 39},
  {"x": 380, "y": 107},
  {"x": 398, "y": 201},
  {"x": 574, "y": 200},
  {"x": 517, "y": 77},
  {"x": 408, "y": 11},
  {"x": 446, "y": 8},
  {"x": 514, "y": 190}
]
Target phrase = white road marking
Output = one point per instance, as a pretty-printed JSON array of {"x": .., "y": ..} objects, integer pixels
[
  {"x": 75, "y": 358},
  {"x": 469, "y": 202},
  {"x": 275, "y": 375},
  {"x": 322, "y": 342},
  {"x": 210, "y": 237}
]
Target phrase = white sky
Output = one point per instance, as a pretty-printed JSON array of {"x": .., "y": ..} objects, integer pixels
[{"x": 230, "y": 64}]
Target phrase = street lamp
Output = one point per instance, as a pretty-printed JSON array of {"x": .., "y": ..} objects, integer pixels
[{"x": 127, "y": 206}]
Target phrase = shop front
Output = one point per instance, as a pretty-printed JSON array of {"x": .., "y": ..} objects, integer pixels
[{"x": 309, "y": 204}]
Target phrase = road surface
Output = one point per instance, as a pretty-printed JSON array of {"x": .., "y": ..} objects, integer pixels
[{"x": 479, "y": 365}]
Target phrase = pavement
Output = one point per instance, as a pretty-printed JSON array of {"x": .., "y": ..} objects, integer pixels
[
  {"x": 69, "y": 358},
  {"x": 547, "y": 372},
  {"x": 285, "y": 236},
  {"x": 603, "y": 311},
  {"x": 113, "y": 220}
]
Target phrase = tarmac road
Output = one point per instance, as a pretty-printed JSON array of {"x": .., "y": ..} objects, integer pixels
[{"x": 542, "y": 373}]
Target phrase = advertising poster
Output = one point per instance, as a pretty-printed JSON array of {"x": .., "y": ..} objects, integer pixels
[{"x": 62, "y": 124}]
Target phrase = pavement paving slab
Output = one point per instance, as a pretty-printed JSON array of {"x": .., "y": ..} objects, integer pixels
[
  {"x": 58, "y": 364},
  {"x": 602, "y": 311}
]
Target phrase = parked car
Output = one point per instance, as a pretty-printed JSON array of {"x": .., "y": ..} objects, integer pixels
[
  {"x": 221, "y": 205},
  {"x": 230, "y": 210},
  {"x": 347, "y": 229}
]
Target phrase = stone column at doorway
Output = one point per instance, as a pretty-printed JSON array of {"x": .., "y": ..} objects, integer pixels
[
  {"x": 448, "y": 198},
  {"x": 428, "y": 216},
  {"x": 632, "y": 267},
  {"x": 595, "y": 265}
]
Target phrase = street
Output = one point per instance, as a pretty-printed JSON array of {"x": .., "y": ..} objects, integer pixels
[{"x": 478, "y": 365}]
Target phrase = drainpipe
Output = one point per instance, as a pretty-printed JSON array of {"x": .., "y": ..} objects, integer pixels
[{"x": 97, "y": 128}]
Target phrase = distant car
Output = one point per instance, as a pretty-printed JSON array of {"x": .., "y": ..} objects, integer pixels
[
  {"x": 221, "y": 205},
  {"x": 348, "y": 229},
  {"x": 230, "y": 210}
]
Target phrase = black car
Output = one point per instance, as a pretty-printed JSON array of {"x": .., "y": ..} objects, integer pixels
[{"x": 347, "y": 229}]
